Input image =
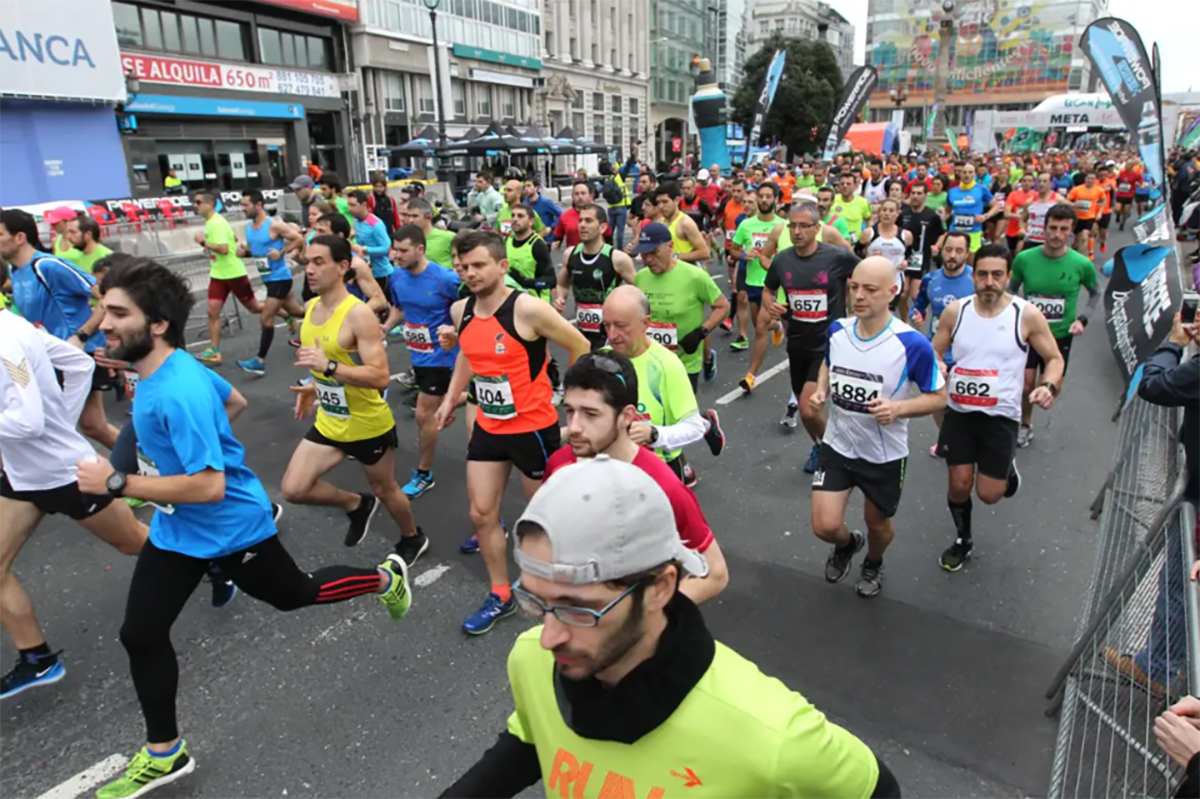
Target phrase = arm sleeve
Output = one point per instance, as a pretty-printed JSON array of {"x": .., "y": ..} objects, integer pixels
[
  {"x": 771, "y": 282},
  {"x": 193, "y": 434},
  {"x": 379, "y": 243},
  {"x": 223, "y": 386},
  {"x": 21, "y": 411},
  {"x": 76, "y": 367},
  {"x": 922, "y": 300},
  {"x": 687, "y": 430},
  {"x": 1165, "y": 381},
  {"x": 923, "y": 368},
  {"x": 543, "y": 274},
  {"x": 507, "y": 768}
]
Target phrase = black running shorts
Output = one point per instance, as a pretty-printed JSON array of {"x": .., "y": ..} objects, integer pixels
[
  {"x": 880, "y": 483},
  {"x": 278, "y": 289},
  {"x": 1034, "y": 360},
  {"x": 66, "y": 499},
  {"x": 368, "y": 451},
  {"x": 987, "y": 442},
  {"x": 433, "y": 380},
  {"x": 527, "y": 451},
  {"x": 804, "y": 367}
]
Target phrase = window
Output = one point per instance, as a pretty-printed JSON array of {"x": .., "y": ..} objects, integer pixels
[
  {"x": 597, "y": 101},
  {"x": 595, "y": 53},
  {"x": 153, "y": 29},
  {"x": 508, "y": 103},
  {"x": 293, "y": 50},
  {"x": 616, "y": 103},
  {"x": 393, "y": 91},
  {"x": 550, "y": 44},
  {"x": 598, "y": 128},
  {"x": 616, "y": 137},
  {"x": 458, "y": 90},
  {"x": 423, "y": 88},
  {"x": 270, "y": 50},
  {"x": 170, "y": 32},
  {"x": 633, "y": 105},
  {"x": 208, "y": 39},
  {"x": 634, "y": 136},
  {"x": 764, "y": 28},
  {"x": 577, "y": 122},
  {"x": 578, "y": 100},
  {"x": 191, "y": 35},
  {"x": 177, "y": 33},
  {"x": 483, "y": 102},
  {"x": 128, "y": 24}
]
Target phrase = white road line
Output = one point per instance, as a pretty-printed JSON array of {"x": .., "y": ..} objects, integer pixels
[
  {"x": 106, "y": 769},
  {"x": 737, "y": 393},
  {"x": 204, "y": 341},
  {"x": 719, "y": 277},
  {"x": 431, "y": 576}
]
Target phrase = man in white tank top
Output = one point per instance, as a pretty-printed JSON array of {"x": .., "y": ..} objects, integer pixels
[{"x": 991, "y": 332}]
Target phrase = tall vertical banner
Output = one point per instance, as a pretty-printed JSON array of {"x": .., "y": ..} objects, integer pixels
[
  {"x": 1140, "y": 304},
  {"x": 952, "y": 136},
  {"x": 930, "y": 119},
  {"x": 858, "y": 87},
  {"x": 765, "y": 98}
]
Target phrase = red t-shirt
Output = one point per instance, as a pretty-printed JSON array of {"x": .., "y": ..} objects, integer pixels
[
  {"x": 928, "y": 181},
  {"x": 1127, "y": 182},
  {"x": 711, "y": 194},
  {"x": 689, "y": 519},
  {"x": 567, "y": 229}
]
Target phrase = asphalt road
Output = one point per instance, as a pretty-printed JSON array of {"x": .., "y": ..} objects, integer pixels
[{"x": 942, "y": 674}]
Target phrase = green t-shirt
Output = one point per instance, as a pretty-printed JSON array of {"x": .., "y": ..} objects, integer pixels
[
  {"x": 752, "y": 234},
  {"x": 228, "y": 266},
  {"x": 437, "y": 247},
  {"x": 504, "y": 221},
  {"x": 806, "y": 182},
  {"x": 343, "y": 208},
  {"x": 936, "y": 201},
  {"x": 63, "y": 249},
  {"x": 86, "y": 261},
  {"x": 839, "y": 225},
  {"x": 665, "y": 394},
  {"x": 1052, "y": 284},
  {"x": 677, "y": 300},
  {"x": 1014, "y": 175},
  {"x": 855, "y": 211}
]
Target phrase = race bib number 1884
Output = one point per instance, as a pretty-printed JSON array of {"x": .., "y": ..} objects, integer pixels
[{"x": 852, "y": 390}]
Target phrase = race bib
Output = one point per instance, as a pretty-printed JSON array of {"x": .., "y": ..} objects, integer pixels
[
  {"x": 665, "y": 334},
  {"x": 916, "y": 262},
  {"x": 1124, "y": 188},
  {"x": 808, "y": 305},
  {"x": 148, "y": 468},
  {"x": 1083, "y": 205},
  {"x": 495, "y": 397},
  {"x": 590, "y": 318},
  {"x": 729, "y": 231},
  {"x": 1053, "y": 308},
  {"x": 964, "y": 221},
  {"x": 852, "y": 390},
  {"x": 131, "y": 383},
  {"x": 331, "y": 396},
  {"x": 505, "y": 227},
  {"x": 977, "y": 388},
  {"x": 758, "y": 240},
  {"x": 418, "y": 338},
  {"x": 1036, "y": 230},
  {"x": 263, "y": 265}
]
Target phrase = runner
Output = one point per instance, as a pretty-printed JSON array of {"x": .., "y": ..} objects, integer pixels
[
  {"x": 677, "y": 296},
  {"x": 1141, "y": 188},
  {"x": 602, "y": 413},
  {"x": 40, "y": 445},
  {"x": 926, "y": 229},
  {"x": 84, "y": 234},
  {"x": 853, "y": 209},
  {"x": 512, "y": 198},
  {"x": 528, "y": 254},
  {"x": 992, "y": 333},
  {"x": 828, "y": 217},
  {"x": 221, "y": 512},
  {"x": 502, "y": 335},
  {"x": 730, "y": 214},
  {"x": 57, "y": 295},
  {"x": 874, "y": 189},
  {"x": 813, "y": 276},
  {"x": 689, "y": 245},
  {"x": 750, "y": 240},
  {"x": 268, "y": 243},
  {"x": 970, "y": 205},
  {"x": 359, "y": 280},
  {"x": 1128, "y": 180},
  {"x": 421, "y": 293},
  {"x": 566, "y": 228},
  {"x": 343, "y": 352},
  {"x": 670, "y": 417},
  {"x": 592, "y": 271},
  {"x": 417, "y": 211},
  {"x": 869, "y": 362},
  {"x": 1015, "y": 211},
  {"x": 1036, "y": 210},
  {"x": 1106, "y": 181},
  {"x": 546, "y": 209},
  {"x": 227, "y": 273},
  {"x": 371, "y": 239},
  {"x": 1052, "y": 276},
  {"x": 59, "y": 219},
  {"x": 623, "y": 673},
  {"x": 888, "y": 240},
  {"x": 1089, "y": 200},
  {"x": 331, "y": 190}
]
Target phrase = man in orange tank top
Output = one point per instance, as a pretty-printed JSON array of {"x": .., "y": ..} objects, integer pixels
[{"x": 503, "y": 340}]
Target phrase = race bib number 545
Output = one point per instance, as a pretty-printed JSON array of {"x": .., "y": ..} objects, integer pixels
[{"x": 331, "y": 396}]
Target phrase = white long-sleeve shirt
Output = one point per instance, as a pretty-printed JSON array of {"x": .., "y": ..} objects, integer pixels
[{"x": 38, "y": 435}]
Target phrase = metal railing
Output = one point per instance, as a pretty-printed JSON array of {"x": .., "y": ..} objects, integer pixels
[{"x": 1138, "y": 645}]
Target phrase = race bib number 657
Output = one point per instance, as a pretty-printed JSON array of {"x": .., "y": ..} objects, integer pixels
[{"x": 808, "y": 305}]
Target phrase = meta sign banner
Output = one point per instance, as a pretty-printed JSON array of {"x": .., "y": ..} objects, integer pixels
[{"x": 60, "y": 48}]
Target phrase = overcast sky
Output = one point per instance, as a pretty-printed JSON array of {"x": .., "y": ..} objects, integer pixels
[{"x": 1162, "y": 21}]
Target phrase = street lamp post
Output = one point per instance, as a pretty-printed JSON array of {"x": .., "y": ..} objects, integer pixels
[
  {"x": 432, "y": 5},
  {"x": 941, "y": 86},
  {"x": 899, "y": 95}
]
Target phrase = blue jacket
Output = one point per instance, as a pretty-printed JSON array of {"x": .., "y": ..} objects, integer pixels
[
  {"x": 372, "y": 234},
  {"x": 549, "y": 212},
  {"x": 631, "y": 170}
]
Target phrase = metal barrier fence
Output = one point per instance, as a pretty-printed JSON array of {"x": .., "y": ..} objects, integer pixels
[{"x": 1138, "y": 645}]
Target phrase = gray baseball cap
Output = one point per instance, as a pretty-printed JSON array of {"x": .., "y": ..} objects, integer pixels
[
  {"x": 606, "y": 519},
  {"x": 302, "y": 182}
]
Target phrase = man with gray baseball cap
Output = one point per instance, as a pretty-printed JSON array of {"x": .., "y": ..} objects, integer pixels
[{"x": 622, "y": 690}]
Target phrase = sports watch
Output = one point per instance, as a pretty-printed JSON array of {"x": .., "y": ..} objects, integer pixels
[{"x": 116, "y": 483}]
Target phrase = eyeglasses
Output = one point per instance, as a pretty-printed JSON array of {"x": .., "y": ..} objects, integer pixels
[
  {"x": 802, "y": 225},
  {"x": 569, "y": 615}
]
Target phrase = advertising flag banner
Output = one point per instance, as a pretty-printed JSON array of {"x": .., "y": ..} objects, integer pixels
[
  {"x": 766, "y": 97},
  {"x": 1140, "y": 304},
  {"x": 854, "y": 95},
  {"x": 930, "y": 120},
  {"x": 953, "y": 137}
]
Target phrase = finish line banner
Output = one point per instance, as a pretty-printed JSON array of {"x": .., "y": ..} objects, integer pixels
[
  {"x": 854, "y": 95},
  {"x": 1140, "y": 304}
]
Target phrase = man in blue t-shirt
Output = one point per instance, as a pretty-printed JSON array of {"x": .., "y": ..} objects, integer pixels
[
  {"x": 219, "y": 512},
  {"x": 971, "y": 206},
  {"x": 421, "y": 292},
  {"x": 371, "y": 239},
  {"x": 57, "y": 295}
]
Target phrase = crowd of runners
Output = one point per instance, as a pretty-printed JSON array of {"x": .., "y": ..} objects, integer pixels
[{"x": 900, "y": 287}]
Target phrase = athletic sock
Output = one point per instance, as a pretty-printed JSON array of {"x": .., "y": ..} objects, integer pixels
[
  {"x": 873, "y": 564},
  {"x": 424, "y": 472},
  {"x": 961, "y": 513},
  {"x": 35, "y": 653},
  {"x": 266, "y": 337},
  {"x": 793, "y": 400},
  {"x": 169, "y": 753},
  {"x": 503, "y": 591}
]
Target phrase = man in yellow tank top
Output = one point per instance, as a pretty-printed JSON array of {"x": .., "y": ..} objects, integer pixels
[
  {"x": 342, "y": 348},
  {"x": 690, "y": 246}
]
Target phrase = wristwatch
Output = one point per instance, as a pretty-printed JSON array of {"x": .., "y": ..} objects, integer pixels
[
  {"x": 653, "y": 434},
  {"x": 330, "y": 369},
  {"x": 83, "y": 337},
  {"x": 116, "y": 483},
  {"x": 1082, "y": 319},
  {"x": 1053, "y": 388}
]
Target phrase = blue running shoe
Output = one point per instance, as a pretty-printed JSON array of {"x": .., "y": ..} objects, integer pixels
[
  {"x": 397, "y": 331},
  {"x": 254, "y": 366},
  {"x": 492, "y": 611},
  {"x": 32, "y": 671},
  {"x": 710, "y": 368},
  {"x": 814, "y": 459},
  {"x": 419, "y": 484},
  {"x": 470, "y": 546}
]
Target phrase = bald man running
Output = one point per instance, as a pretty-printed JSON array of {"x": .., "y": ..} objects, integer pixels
[
  {"x": 512, "y": 198},
  {"x": 869, "y": 360}
]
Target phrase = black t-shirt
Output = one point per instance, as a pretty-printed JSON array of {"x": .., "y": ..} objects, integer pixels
[
  {"x": 815, "y": 289},
  {"x": 926, "y": 228}
]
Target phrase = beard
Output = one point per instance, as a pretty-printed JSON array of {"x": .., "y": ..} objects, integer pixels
[
  {"x": 766, "y": 208},
  {"x": 616, "y": 647},
  {"x": 133, "y": 348}
]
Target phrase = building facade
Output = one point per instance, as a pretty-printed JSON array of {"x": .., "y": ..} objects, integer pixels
[
  {"x": 727, "y": 47},
  {"x": 490, "y": 54},
  {"x": 234, "y": 96},
  {"x": 1007, "y": 56},
  {"x": 801, "y": 19},
  {"x": 679, "y": 32},
  {"x": 596, "y": 72}
]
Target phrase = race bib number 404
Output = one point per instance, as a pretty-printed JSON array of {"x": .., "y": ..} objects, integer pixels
[
  {"x": 495, "y": 397},
  {"x": 852, "y": 390},
  {"x": 1053, "y": 308},
  {"x": 590, "y": 318},
  {"x": 808, "y": 305},
  {"x": 976, "y": 388},
  {"x": 665, "y": 334}
]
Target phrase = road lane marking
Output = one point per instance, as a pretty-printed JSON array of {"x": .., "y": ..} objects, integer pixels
[
  {"x": 431, "y": 575},
  {"x": 204, "y": 341},
  {"x": 106, "y": 769},
  {"x": 764, "y": 377}
]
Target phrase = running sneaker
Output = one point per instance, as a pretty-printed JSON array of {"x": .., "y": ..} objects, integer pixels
[
  {"x": 747, "y": 383},
  {"x": 870, "y": 579},
  {"x": 409, "y": 400},
  {"x": 814, "y": 460},
  {"x": 360, "y": 519},
  {"x": 210, "y": 355},
  {"x": 276, "y": 511},
  {"x": 727, "y": 325},
  {"x": 715, "y": 437},
  {"x": 254, "y": 366},
  {"x": 689, "y": 476},
  {"x": 147, "y": 772},
  {"x": 740, "y": 344},
  {"x": 397, "y": 331},
  {"x": 295, "y": 342},
  {"x": 710, "y": 367},
  {"x": 419, "y": 484},
  {"x": 406, "y": 379},
  {"x": 411, "y": 547},
  {"x": 1127, "y": 666},
  {"x": 791, "y": 416},
  {"x": 1024, "y": 436},
  {"x": 838, "y": 562},
  {"x": 30, "y": 672},
  {"x": 1013, "y": 485},
  {"x": 396, "y": 597},
  {"x": 223, "y": 590},
  {"x": 933, "y": 452},
  {"x": 291, "y": 324},
  {"x": 491, "y": 611},
  {"x": 955, "y": 555},
  {"x": 556, "y": 397},
  {"x": 470, "y": 546}
]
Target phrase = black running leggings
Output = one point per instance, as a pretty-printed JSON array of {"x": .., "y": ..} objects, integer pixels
[{"x": 164, "y": 580}]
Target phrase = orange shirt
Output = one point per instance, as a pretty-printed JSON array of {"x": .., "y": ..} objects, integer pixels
[
  {"x": 733, "y": 209},
  {"x": 785, "y": 184},
  {"x": 1109, "y": 186},
  {"x": 1089, "y": 203}
]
